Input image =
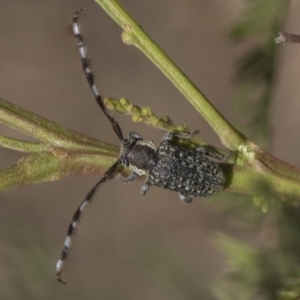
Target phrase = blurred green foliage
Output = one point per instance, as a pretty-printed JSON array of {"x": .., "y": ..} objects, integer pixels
[
  {"x": 255, "y": 71},
  {"x": 270, "y": 269}
]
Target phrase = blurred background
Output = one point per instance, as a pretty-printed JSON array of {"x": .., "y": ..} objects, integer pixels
[{"x": 153, "y": 247}]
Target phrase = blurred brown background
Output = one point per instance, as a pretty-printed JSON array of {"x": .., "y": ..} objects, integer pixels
[{"x": 130, "y": 247}]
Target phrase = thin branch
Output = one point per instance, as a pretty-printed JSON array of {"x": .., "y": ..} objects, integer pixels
[
  {"x": 55, "y": 165},
  {"x": 44, "y": 130},
  {"x": 135, "y": 35},
  {"x": 144, "y": 114},
  {"x": 258, "y": 179},
  {"x": 23, "y": 146},
  {"x": 147, "y": 116},
  {"x": 276, "y": 164}
]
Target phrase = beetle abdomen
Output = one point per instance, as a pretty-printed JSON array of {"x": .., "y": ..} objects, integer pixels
[{"x": 185, "y": 171}]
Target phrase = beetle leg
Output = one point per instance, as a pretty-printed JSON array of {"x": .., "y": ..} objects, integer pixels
[
  {"x": 208, "y": 152},
  {"x": 169, "y": 136},
  {"x": 132, "y": 177},
  {"x": 185, "y": 199},
  {"x": 145, "y": 187}
]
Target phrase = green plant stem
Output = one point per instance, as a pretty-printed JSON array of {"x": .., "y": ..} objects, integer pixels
[
  {"x": 135, "y": 35},
  {"x": 58, "y": 164},
  {"x": 147, "y": 116},
  {"x": 22, "y": 146},
  {"x": 46, "y": 131},
  {"x": 276, "y": 164},
  {"x": 259, "y": 178},
  {"x": 144, "y": 114},
  {"x": 49, "y": 162},
  {"x": 55, "y": 165}
]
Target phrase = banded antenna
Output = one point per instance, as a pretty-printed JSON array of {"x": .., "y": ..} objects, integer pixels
[{"x": 109, "y": 174}]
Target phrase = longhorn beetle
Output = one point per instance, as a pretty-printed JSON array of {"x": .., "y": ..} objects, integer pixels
[{"x": 170, "y": 166}]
